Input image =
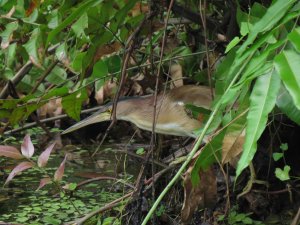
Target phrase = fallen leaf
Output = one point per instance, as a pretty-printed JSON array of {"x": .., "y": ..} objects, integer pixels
[{"x": 204, "y": 194}]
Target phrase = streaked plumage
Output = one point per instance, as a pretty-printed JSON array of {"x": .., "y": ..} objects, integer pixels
[{"x": 172, "y": 116}]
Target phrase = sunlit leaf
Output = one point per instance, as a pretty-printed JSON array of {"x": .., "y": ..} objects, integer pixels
[
  {"x": 11, "y": 54},
  {"x": 19, "y": 168},
  {"x": 283, "y": 175},
  {"x": 294, "y": 38},
  {"x": 32, "y": 46},
  {"x": 284, "y": 146},
  {"x": 274, "y": 13},
  {"x": 10, "y": 152},
  {"x": 6, "y": 35},
  {"x": 27, "y": 147},
  {"x": 262, "y": 101},
  {"x": 44, "y": 156},
  {"x": 277, "y": 156},
  {"x": 288, "y": 66},
  {"x": 286, "y": 104},
  {"x": 232, "y": 44},
  {"x": 59, "y": 173}
]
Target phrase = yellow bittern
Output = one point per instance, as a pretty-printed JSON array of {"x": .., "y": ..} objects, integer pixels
[{"x": 172, "y": 116}]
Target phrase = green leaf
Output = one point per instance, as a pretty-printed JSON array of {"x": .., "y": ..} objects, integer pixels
[
  {"x": 232, "y": 44},
  {"x": 7, "y": 34},
  {"x": 100, "y": 70},
  {"x": 277, "y": 156},
  {"x": 294, "y": 38},
  {"x": 51, "y": 220},
  {"x": 76, "y": 14},
  {"x": 56, "y": 92},
  {"x": 283, "y": 175},
  {"x": 54, "y": 19},
  {"x": 32, "y": 45},
  {"x": 11, "y": 54},
  {"x": 57, "y": 76},
  {"x": 73, "y": 102},
  {"x": 208, "y": 156},
  {"x": 33, "y": 16},
  {"x": 274, "y": 13},
  {"x": 247, "y": 220},
  {"x": 114, "y": 64},
  {"x": 262, "y": 101},
  {"x": 121, "y": 15},
  {"x": 286, "y": 104},
  {"x": 77, "y": 62},
  {"x": 79, "y": 26},
  {"x": 140, "y": 151},
  {"x": 284, "y": 146},
  {"x": 288, "y": 66}
]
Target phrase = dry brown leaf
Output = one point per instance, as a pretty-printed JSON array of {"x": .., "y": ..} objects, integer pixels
[
  {"x": 232, "y": 146},
  {"x": 106, "y": 50},
  {"x": 204, "y": 194}
]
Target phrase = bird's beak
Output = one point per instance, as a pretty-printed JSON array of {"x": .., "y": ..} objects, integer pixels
[{"x": 95, "y": 118}]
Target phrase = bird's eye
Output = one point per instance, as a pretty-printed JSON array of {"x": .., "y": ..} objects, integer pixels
[{"x": 109, "y": 110}]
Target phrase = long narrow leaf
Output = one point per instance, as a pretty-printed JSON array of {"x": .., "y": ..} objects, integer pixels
[
  {"x": 44, "y": 156},
  {"x": 274, "y": 13},
  {"x": 286, "y": 104},
  {"x": 288, "y": 66},
  {"x": 76, "y": 14},
  {"x": 10, "y": 152},
  {"x": 59, "y": 173},
  {"x": 262, "y": 99},
  {"x": 19, "y": 168}
]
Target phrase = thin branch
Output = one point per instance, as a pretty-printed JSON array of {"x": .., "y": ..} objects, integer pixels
[
  {"x": 17, "y": 78},
  {"x": 44, "y": 75},
  {"x": 47, "y": 120}
]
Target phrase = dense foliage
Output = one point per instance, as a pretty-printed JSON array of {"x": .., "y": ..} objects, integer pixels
[{"x": 68, "y": 50}]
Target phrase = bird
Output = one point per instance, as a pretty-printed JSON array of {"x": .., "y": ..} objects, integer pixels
[{"x": 173, "y": 117}]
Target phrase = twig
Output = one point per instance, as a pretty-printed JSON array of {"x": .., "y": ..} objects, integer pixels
[
  {"x": 129, "y": 49},
  {"x": 44, "y": 75},
  {"x": 109, "y": 206},
  {"x": 17, "y": 78},
  {"x": 203, "y": 20},
  {"x": 47, "y": 120},
  {"x": 103, "y": 178},
  {"x": 296, "y": 218}
]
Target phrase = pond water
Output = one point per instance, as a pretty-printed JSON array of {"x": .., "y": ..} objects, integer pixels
[{"x": 20, "y": 202}]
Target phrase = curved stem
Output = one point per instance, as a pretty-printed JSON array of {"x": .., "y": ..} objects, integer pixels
[{"x": 197, "y": 144}]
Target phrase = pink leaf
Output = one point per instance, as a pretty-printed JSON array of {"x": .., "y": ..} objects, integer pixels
[
  {"x": 44, "y": 157},
  {"x": 27, "y": 147},
  {"x": 10, "y": 152},
  {"x": 60, "y": 171},
  {"x": 43, "y": 182},
  {"x": 19, "y": 168}
]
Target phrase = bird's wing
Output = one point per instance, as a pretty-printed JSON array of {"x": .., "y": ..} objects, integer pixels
[{"x": 191, "y": 94}]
